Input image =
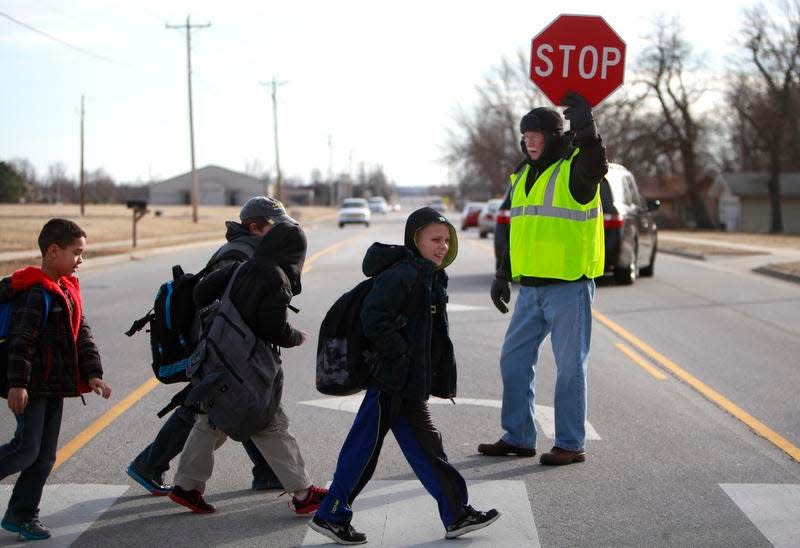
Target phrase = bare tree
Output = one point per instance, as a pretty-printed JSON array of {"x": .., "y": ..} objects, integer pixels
[
  {"x": 665, "y": 69},
  {"x": 763, "y": 93}
]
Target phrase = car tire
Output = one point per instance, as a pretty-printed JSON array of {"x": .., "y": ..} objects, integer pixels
[
  {"x": 649, "y": 270},
  {"x": 625, "y": 274},
  {"x": 366, "y": 225},
  {"x": 483, "y": 235},
  {"x": 341, "y": 225}
]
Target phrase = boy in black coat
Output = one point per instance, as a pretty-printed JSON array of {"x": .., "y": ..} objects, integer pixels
[
  {"x": 51, "y": 356},
  {"x": 262, "y": 291},
  {"x": 405, "y": 321}
]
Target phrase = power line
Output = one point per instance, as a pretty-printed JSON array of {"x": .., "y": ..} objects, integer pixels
[{"x": 60, "y": 41}]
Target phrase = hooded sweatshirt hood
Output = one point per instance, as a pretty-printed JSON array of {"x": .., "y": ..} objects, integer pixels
[
  {"x": 26, "y": 278},
  {"x": 285, "y": 244},
  {"x": 419, "y": 220},
  {"x": 380, "y": 256}
]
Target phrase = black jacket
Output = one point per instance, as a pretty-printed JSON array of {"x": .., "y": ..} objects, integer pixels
[
  {"x": 404, "y": 317},
  {"x": 265, "y": 284}
]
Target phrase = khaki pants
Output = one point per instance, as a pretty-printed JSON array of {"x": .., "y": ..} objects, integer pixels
[{"x": 275, "y": 442}]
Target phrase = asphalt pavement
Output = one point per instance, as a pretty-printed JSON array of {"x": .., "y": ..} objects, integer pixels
[{"x": 671, "y": 460}]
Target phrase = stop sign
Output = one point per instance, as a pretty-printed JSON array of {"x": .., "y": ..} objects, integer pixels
[{"x": 579, "y": 53}]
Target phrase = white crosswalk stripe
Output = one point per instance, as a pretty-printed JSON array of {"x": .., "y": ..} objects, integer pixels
[
  {"x": 773, "y": 509},
  {"x": 545, "y": 415},
  {"x": 68, "y": 509},
  {"x": 402, "y": 513}
]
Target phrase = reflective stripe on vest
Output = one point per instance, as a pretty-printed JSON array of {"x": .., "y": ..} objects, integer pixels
[{"x": 547, "y": 209}]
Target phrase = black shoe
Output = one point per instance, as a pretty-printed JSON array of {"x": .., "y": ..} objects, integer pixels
[
  {"x": 472, "y": 520},
  {"x": 340, "y": 533},
  {"x": 152, "y": 484},
  {"x": 31, "y": 529},
  {"x": 192, "y": 499}
]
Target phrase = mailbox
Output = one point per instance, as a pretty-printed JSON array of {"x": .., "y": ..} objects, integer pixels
[{"x": 136, "y": 204}]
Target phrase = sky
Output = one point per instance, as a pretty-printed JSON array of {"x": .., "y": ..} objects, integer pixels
[{"x": 380, "y": 81}]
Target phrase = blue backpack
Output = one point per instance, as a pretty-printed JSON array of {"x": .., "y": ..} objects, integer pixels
[{"x": 6, "y": 311}]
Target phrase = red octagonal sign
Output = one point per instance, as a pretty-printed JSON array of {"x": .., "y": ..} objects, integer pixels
[{"x": 578, "y": 53}]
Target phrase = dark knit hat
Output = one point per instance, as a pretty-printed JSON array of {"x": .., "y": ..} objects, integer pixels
[{"x": 544, "y": 119}]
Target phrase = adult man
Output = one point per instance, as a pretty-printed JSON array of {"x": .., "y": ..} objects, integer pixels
[
  {"x": 556, "y": 250},
  {"x": 257, "y": 216}
]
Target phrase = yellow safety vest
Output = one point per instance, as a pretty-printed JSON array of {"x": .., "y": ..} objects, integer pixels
[{"x": 552, "y": 235}]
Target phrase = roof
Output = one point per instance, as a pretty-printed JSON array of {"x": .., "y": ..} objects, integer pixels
[
  {"x": 754, "y": 183},
  {"x": 210, "y": 172}
]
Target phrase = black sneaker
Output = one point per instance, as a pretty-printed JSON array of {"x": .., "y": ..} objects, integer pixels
[
  {"x": 152, "y": 484},
  {"x": 31, "y": 529},
  {"x": 340, "y": 533},
  {"x": 193, "y": 500},
  {"x": 472, "y": 520}
]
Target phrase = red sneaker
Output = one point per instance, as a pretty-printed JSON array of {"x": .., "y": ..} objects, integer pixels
[
  {"x": 310, "y": 503},
  {"x": 193, "y": 500}
]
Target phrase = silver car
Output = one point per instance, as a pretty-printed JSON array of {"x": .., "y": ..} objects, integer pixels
[
  {"x": 488, "y": 217},
  {"x": 354, "y": 211}
]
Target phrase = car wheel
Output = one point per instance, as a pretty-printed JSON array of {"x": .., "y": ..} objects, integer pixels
[
  {"x": 650, "y": 268},
  {"x": 625, "y": 274},
  {"x": 341, "y": 225},
  {"x": 366, "y": 225},
  {"x": 483, "y": 235}
]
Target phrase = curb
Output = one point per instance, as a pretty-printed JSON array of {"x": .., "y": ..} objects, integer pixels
[
  {"x": 680, "y": 253},
  {"x": 767, "y": 271}
]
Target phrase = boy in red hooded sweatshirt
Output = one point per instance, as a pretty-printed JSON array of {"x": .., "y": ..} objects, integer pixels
[{"x": 51, "y": 356}]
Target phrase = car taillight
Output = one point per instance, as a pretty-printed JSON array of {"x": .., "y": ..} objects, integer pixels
[
  {"x": 613, "y": 220},
  {"x": 504, "y": 217}
]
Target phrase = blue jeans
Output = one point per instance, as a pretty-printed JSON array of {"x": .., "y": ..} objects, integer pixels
[
  {"x": 32, "y": 452},
  {"x": 154, "y": 459},
  {"x": 564, "y": 311}
]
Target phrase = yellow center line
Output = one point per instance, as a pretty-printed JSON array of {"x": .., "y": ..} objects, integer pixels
[
  {"x": 640, "y": 361},
  {"x": 75, "y": 444},
  {"x": 100, "y": 424},
  {"x": 709, "y": 393}
]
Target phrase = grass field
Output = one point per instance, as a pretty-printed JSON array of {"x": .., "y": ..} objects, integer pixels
[{"x": 20, "y": 223}]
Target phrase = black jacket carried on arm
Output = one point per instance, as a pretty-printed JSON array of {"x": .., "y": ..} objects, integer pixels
[
  {"x": 589, "y": 167},
  {"x": 264, "y": 286},
  {"x": 404, "y": 317}
]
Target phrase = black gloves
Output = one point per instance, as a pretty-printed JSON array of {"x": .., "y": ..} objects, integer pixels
[
  {"x": 579, "y": 114},
  {"x": 501, "y": 294}
]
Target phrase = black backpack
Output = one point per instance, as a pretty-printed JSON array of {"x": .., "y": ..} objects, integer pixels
[
  {"x": 172, "y": 326},
  {"x": 343, "y": 355},
  {"x": 6, "y": 310}
]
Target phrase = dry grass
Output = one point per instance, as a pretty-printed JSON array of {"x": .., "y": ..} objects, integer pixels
[{"x": 20, "y": 223}]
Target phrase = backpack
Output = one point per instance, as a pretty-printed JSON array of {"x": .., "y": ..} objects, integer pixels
[
  {"x": 343, "y": 356},
  {"x": 6, "y": 310},
  {"x": 236, "y": 377},
  {"x": 171, "y": 321},
  {"x": 173, "y": 331}
]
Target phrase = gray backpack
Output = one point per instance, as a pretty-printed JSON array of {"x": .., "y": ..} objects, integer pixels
[{"x": 237, "y": 378}]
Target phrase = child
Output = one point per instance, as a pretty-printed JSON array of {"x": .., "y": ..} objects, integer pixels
[
  {"x": 262, "y": 291},
  {"x": 405, "y": 321},
  {"x": 47, "y": 361}
]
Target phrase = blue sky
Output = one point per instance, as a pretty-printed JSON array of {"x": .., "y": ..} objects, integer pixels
[{"x": 382, "y": 78}]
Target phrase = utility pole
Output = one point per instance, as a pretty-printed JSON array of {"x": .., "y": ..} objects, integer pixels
[
  {"x": 332, "y": 197},
  {"x": 83, "y": 173},
  {"x": 188, "y": 28},
  {"x": 278, "y": 176}
]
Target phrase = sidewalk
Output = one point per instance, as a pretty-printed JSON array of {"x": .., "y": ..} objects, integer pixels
[{"x": 779, "y": 262}]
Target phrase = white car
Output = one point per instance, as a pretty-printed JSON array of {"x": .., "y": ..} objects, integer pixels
[
  {"x": 488, "y": 217},
  {"x": 354, "y": 210},
  {"x": 377, "y": 204}
]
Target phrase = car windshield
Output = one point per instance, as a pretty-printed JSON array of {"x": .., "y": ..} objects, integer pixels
[{"x": 354, "y": 203}]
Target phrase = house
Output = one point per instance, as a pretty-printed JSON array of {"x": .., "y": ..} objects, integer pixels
[
  {"x": 745, "y": 206},
  {"x": 676, "y": 210},
  {"x": 215, "y": 186}
]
